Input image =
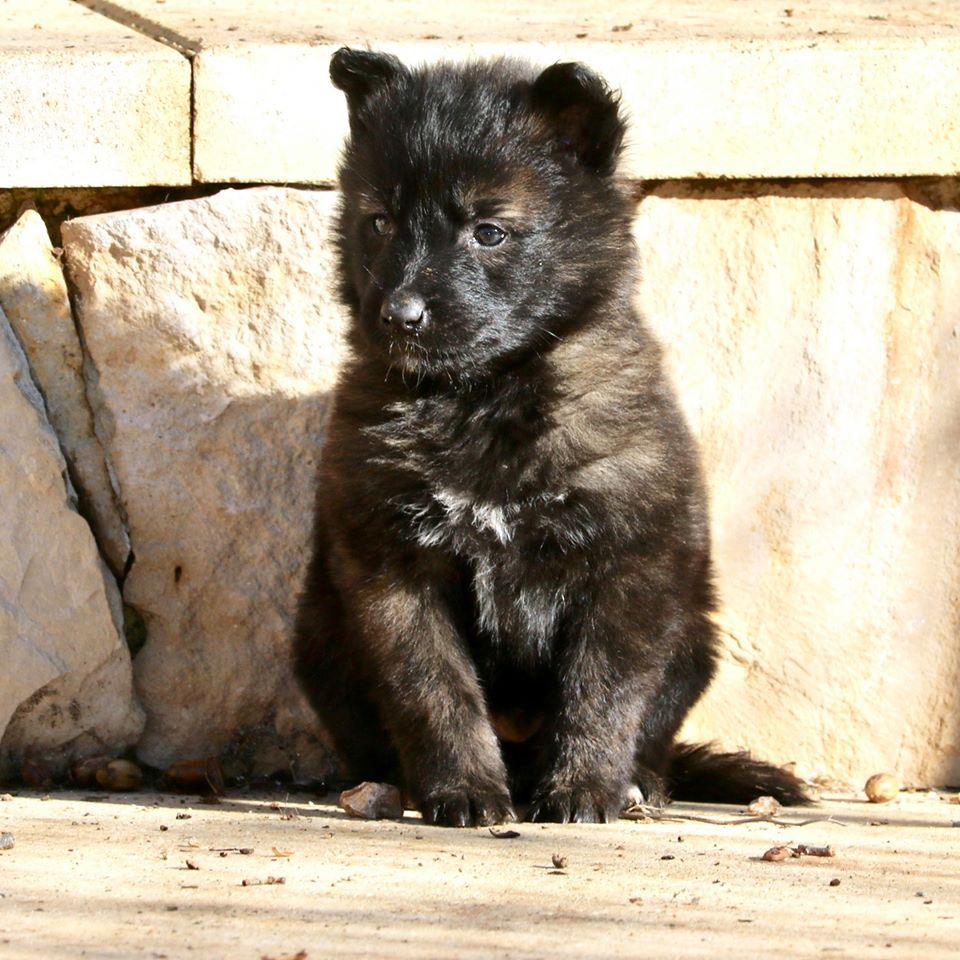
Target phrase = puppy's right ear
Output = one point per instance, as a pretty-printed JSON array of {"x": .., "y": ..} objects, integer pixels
[{"x": 359, "y": 72}]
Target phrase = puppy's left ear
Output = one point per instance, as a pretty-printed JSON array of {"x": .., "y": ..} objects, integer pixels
[
  {"x": 358, "y": 73},
  {"x": 584, "y": 112}
]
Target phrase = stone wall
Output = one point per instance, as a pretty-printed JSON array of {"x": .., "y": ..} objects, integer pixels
[
  {"x": 170, "y": 412},
  {"x": 814, "y": 334}
]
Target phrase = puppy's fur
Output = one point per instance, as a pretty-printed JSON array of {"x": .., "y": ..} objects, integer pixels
[{"x": 510, "y": 593}]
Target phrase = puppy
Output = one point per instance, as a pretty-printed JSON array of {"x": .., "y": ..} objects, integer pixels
[{"x": 508, "y": 605}]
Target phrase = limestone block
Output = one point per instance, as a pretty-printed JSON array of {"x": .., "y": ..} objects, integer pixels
[
  {"x": 814, "y": 335},
  {"x": 714, "y": 88},
  {"x": 88, "y": 102},
  {"x": 253, "y": 122},
  {"x": 211, "y": 330},
  {"x": 699, "y": 109},
  {"x": 59, "y": 608},
  {"x": 80, "y": 714},
  {"x": 34, "y": 297}
]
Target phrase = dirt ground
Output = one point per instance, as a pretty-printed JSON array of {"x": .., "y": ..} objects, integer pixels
[{"x": 287, "y": 876}]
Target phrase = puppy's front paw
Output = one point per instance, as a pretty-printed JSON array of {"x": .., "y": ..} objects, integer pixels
[
  {"x": 463, "y": 808},
  {"x": 577, "y": 805}
]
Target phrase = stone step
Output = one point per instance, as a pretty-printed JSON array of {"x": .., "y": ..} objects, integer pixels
[
  {"x": 88, "y": 102},
  {"x": 716, "y": 89}
]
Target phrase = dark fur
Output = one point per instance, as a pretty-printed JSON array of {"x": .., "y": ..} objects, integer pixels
[{"x": 511, "y": 526}]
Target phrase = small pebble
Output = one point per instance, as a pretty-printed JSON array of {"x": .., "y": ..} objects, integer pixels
[
  {"x": 120, "y": 775},
  {"x": 881, "y": 788},
  {"x": 778, "y": 853},
  {"x": 764, "y": 807},
  {"x": 834, "y": 882},
  {"x": 372, "y": 801},
  {"x": 7, "y": 841}
]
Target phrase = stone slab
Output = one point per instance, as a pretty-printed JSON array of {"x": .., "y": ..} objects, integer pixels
[
  {"x": 814, "y": 335},
  {"x": 34, "y": 296},
  {"x": 213, "y": 343},
  {"x": 715, "y": 90},
  {"x": 88, "y": 102},
  {"x": 60, "y": 636}
]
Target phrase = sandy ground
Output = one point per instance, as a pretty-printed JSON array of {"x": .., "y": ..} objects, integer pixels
[{"x": 158, "y": 876}]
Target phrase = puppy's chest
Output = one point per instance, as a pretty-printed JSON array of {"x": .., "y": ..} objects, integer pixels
[
  {"x": 518, "y": 596},
  {"x": 483, "y": 490},
  {"x": 466, "y": 521},
  {"x": 469, "y": 481}
]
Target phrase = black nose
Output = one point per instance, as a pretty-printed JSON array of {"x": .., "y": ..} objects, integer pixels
[{"x": 403, "y": 311}]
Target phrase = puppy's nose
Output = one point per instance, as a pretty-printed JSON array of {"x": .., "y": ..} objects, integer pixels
[{"x": 403, "y": 311}]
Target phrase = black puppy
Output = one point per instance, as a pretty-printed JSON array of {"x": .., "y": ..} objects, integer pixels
[{"x": 510, "y": 594}]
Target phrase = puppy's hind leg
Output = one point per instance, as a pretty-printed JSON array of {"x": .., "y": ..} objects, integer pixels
[{"x": 333, "y": 674}]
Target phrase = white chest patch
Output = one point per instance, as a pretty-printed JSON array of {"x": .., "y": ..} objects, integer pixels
[{"x": 461, "y": 511}]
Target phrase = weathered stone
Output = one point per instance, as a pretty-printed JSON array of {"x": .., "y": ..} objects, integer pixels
[
  {"x": 34, "y": 297},
  {"x": 214, "y": 343},
  {"x": 66, "y": 677},
  {"x": 814, "y": 334}
]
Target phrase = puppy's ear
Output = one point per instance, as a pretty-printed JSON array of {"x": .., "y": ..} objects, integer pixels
[
  {"x": 584, "y": 112},
  {"x": 359, "y": 72}
]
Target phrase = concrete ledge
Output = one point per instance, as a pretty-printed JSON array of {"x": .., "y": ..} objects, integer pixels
[
  {"x": 764, "y": 90},
  {"x": 101, "y": 96},
  {"x": 87, "y": 102},
  {"x": 704, "y": 109}
]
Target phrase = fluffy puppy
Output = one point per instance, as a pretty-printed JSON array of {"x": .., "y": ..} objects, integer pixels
[{"x": 508, "y": 602}]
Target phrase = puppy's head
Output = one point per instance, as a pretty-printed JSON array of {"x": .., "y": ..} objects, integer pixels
[{"x": 480, "y": 220}]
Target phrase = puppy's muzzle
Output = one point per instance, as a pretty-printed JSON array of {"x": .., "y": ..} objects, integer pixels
[{"x": 403, "y": 312}]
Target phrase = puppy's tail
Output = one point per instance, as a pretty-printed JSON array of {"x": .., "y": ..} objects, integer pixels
[{"x": 698, "y": 771}]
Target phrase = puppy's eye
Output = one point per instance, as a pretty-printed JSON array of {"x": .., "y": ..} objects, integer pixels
[
  {"x": 381, "y": 224},
  {"x": 489, "y": 235}
]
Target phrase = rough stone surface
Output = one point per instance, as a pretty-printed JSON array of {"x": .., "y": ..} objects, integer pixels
[
  {"x": 214, "y": 343},
  {"x": 59, "y": 608},
  {"x": 814, "y": 333},
  {"x": 34, "y": 297}
]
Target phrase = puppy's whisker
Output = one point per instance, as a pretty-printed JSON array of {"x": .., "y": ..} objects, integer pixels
[
  {"x": 373, "y": 277},
  {"x": 360, "y": 176}
]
